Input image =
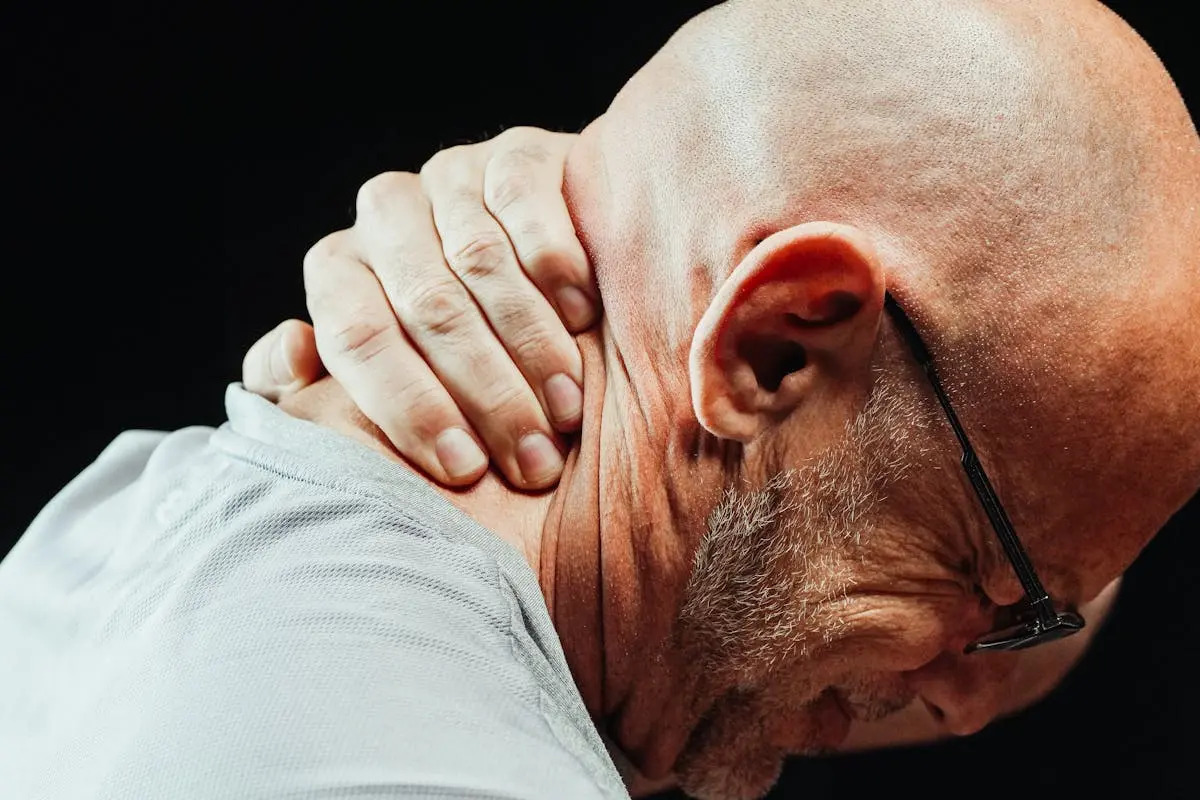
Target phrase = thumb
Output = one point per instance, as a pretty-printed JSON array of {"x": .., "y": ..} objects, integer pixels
[{"x": 282, "y": 361}]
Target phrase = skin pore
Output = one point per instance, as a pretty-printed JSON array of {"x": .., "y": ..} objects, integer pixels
[{"x": 762, "y": 530}]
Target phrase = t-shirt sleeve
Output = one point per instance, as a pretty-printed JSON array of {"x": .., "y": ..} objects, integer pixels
[{"x": 227, "y": 631}]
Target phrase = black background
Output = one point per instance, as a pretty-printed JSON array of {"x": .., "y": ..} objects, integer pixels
[{"x": 167, "y": 168}]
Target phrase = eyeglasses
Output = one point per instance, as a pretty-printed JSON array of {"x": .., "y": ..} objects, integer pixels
[{"x": 1034, "y": 620}]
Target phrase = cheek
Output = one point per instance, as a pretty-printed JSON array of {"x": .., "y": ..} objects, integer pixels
[{"x": 897, "y": 634}]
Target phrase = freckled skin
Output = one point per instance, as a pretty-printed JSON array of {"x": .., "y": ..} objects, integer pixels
[{"x": 1037, "y": 219}]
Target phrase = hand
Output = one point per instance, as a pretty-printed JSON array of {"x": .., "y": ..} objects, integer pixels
[{"x": 439, "y": 312}]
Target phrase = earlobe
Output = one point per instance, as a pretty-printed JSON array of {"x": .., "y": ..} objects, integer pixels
[{"x": 801, "y": 308}]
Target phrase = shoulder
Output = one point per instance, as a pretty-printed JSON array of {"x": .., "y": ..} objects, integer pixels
[{"x": 262, "y": 617}]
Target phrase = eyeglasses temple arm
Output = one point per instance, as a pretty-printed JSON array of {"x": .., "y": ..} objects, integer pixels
[{"x": 979, "y": 480}]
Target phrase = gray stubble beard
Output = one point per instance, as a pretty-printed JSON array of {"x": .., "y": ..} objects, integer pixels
[{"x": 768, "y": 578}]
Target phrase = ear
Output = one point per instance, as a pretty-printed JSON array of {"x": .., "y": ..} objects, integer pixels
[{"x": 799, "y": 314}]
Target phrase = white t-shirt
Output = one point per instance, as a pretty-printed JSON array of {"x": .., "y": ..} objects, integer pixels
[{"x": 270, "y": 610}]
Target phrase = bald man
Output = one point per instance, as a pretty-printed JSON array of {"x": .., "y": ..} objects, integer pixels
[{"x": 815, "y": 228}]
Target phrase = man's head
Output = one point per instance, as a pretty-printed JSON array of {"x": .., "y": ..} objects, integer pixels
[{"x": 1024, "y": 179}]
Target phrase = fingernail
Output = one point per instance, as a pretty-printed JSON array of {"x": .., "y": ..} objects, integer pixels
[
  {"x": 576, "y": 306},
  {"x": 564, "y": 398},
  {"x": 459, "y": 454},
  {"x": 280, "y": 365},
  {"x": 538, "y": 458}
]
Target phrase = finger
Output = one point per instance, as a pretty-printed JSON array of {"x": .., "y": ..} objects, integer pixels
[
  {"x": 447, "y": 327},
  {"x": 282, "y": 361},
  {"x": 523, "y": 190},
  {"x": 298, "y": 352},
  {"x": 365, "y": 350},
  {"x": 479, "y": 252}
]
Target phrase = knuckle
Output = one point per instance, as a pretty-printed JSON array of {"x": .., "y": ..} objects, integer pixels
[
  {"x": 523, "y": 145},
  {"x": 325, "y": 248},
  {"x": 533, "y": 230},
  {"x": 460, "y": 197},
  {"x": 443, "y": 161},
  {"x": 506, "y": 403},
  {"x": 318, "y": 300},
  {"x": 452, "y": 181},
  {"x": 397, "y": 258},
  {"x": 362, "y": 340},
  {"x": 501, "y": 193},
  {"x": 424, "y": 411},
  {"x": 513, "y": 136},
  {"x": 532, "y": 348},
  {"x": 482, "y": 255},
  {"x": 379, "y": 192},
  {"x": 438, "y": 309},
  {"x": 524, "y": 332}
]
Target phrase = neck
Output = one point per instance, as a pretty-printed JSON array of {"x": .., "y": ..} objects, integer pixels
[
  {"x": 558, "y": 532},
  {"x": 600, "y": 543}
]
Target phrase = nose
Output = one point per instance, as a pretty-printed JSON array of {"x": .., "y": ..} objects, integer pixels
[{"x": 964, "y": 693}]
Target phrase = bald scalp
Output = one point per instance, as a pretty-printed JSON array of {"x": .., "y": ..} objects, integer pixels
[{"x": 1031, "y": 178}]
